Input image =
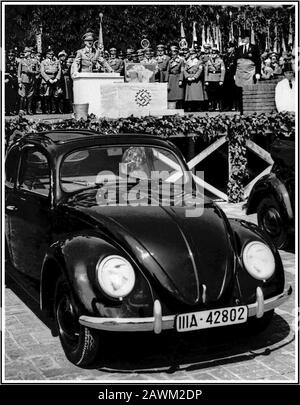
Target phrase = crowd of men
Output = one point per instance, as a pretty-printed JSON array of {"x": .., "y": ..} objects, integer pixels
[{"x": 199, "y": 79}]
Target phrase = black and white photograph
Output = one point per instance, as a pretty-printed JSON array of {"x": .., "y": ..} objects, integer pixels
[{"x": 149, "y": 197}]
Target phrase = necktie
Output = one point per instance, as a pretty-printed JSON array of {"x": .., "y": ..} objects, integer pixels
[{"x": 290, "y": 84}]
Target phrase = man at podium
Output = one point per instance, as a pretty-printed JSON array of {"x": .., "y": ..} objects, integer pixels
[{"x": 88, "y": 59}]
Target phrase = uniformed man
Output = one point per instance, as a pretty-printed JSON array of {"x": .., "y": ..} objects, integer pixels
[
  {"x": 36, "y": 101},
  {"x": 140, "y": 54},
  {"x": 248, "y": 62},
  {"x": 27, "y": 71},
  {"x": 50, "y": 90},
  {"x": 185, "y": 54},
  {"x": 148, "y": 59},
  {"x": 11, "y": 83},
  {"x": 129, "y": 56},
  {"x": 69, "y": 83},
  {"x": 62, "y": 57},
  {"x": 162, "y": 62},
  {"x": 205, "y": 53},
  {"x": 230, "y": 91},
  {"x": 174, "y": 76},
  {"x": 194, "y": 92},
  {"x": 214, "y": 73},
  {"x": 115, "y": 63},
  {"x": 89, "y": 60}
]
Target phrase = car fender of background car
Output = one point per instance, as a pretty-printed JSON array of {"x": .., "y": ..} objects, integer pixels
[
  {"x": 273, "y": 196},
  {"x": 105, "y": 268}
]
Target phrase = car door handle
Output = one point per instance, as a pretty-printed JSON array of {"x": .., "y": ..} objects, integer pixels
[{"x": 11, "y": 208}]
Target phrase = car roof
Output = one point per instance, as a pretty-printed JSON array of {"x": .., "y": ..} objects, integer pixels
[
  {"x": 66, "y": 136},
  {"x": 60, "y": 142}
]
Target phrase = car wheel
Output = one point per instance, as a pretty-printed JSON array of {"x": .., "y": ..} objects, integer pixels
[
  {"x": 80, "y": 343},
  {"x": 270, "y": 218},
  {"x": 257, "y": 325}
]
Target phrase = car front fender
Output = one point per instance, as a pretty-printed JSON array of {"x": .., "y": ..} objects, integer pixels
[
  {"x": 244, "y": 233},
  {"x": 76, "y": 258}
]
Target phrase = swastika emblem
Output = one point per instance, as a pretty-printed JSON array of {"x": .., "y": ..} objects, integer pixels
[{"x": 143, "y": 97}]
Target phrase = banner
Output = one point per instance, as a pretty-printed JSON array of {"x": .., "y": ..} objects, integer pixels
[
  {"x": 182, "y": 33},
  {"x": 195, "y": 40}
]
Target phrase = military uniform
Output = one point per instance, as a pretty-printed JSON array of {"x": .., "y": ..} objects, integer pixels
[
  {"x": 162, "y": 64},
  {"x": 230, "y": 90},
  {"x": 87, "y": 60},
  {"x": 11, "y": 84},
  {"x": 214, "y": 73},
  {"x": 63, "y": 105},
  {"x": 192, "y": 73},
  {"x": 27, "y": 70},
  {"x": 149, "y": 61},
  {"x": 174, "y": 76},
  {"x": 115, "y": 63},
  {"x": 50, "y": 90}
]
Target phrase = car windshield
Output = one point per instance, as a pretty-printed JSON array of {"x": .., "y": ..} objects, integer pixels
[{"x": 95, "y": 166}]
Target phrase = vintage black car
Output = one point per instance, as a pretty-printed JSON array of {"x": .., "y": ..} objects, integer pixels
[
  {"x": 104, "y": 263},
  {"x": 273, "y": 196}
]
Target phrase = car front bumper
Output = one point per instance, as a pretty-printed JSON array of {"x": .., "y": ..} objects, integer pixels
[{"x": 157, "y": 322}]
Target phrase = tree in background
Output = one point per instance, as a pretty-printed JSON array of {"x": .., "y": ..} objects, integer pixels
[{"x": 125, "y": 26}]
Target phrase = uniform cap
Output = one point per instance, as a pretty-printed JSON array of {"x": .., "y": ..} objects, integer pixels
[
  {"x": 112, "y": 50},
  {"x": 27, "y": 49},
  {"x": 174, "y": 48},
  {"x": 61, "y": 53},
  {"x": 88, "y": 36},
  {"x": 160, "y": 47}
]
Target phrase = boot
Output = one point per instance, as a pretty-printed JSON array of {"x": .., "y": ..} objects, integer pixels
[
  {"x": 29, "y": 106},
  {"x": 52, "y": 106},
  {"x": 22, "y": 105},
  {"x": 43, "y": 105},
  {"x": 47, "y": 105},
  {"x": 38, "y": 107},
  {"x": 58, "y": 106}
]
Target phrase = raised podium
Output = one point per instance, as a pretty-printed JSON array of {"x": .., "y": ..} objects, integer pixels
[
  {"x": 108, "y": 96},
  {"x": 87, "y": 86}
]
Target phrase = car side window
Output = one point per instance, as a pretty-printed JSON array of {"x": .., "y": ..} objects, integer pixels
[
  {"x": 11, "y": 167},
  {"x": 34, "y": 174}
]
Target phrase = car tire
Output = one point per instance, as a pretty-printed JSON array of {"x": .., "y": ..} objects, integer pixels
[
  {"x": 79, "y": 342},
  {"x": 271, "y": 219},
  {"x": 257, "y": 325}
]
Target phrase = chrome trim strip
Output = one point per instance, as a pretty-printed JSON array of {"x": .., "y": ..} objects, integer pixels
[{"x": 167, "y": 322}]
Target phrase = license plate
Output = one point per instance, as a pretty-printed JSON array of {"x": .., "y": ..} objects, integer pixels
[{"x": 211, "y": 318}]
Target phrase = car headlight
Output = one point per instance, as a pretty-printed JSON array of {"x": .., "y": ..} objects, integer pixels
[
  {"x": 259, "y": 260},
  {"x": 116, "y": 276}
]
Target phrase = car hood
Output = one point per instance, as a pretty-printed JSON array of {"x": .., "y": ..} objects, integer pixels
[{"x": 185, "y": 255}]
